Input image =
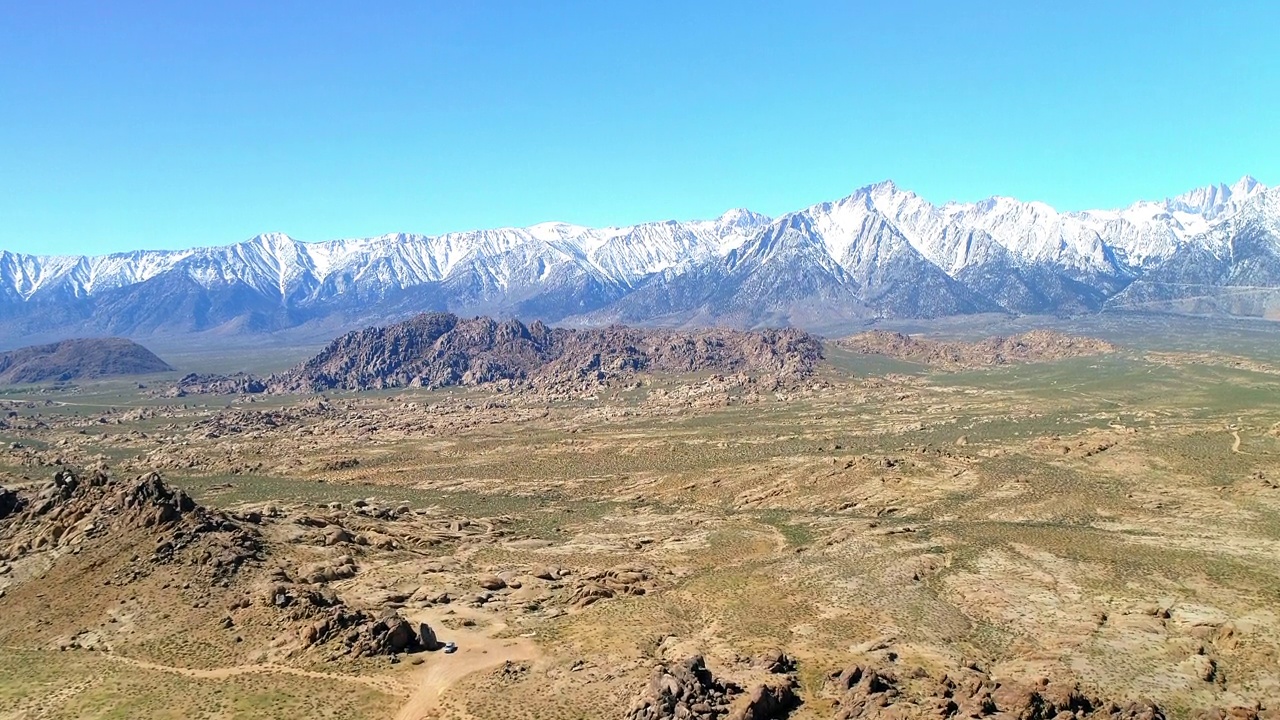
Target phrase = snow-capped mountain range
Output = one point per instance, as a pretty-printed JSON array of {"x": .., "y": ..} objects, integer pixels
[{"x": 880, "y": 252}]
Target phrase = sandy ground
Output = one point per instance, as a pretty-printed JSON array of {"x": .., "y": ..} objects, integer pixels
[{"x": 477, "y": 650}]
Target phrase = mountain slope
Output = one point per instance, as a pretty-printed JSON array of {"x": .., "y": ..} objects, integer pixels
[
  {"x": 1232, "y": 269},
  {"x": 829, "y": 263}
]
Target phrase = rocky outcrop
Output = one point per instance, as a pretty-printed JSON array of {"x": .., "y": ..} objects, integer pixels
[
  {"x": 1034, "y": 346},
  {"x": 79, "y": 359},
  {"x": 774, "y": 661},
  {"x": 357, "y": 633},
  {"x": 237, "y": 384},
  {"x": 766, "y": 701},
  {"x": 592, "y": 586},
  {"x": 325, "y": 621},
  {"x": 73, "y": 510},
  {"x": 687, "y": 689},
  {"x": 440, "y": 349},
  {"x": 1241, "y": 712},
  {"x": 682, "y": 690},
  {"x": 864, "y": 692}
]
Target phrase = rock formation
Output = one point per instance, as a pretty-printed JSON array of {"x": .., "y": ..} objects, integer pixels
[
  {"x": 72, "y": 510},
  {"x": 687, "y": 689},
  {"x": 865, "y": 692},
  {"x": 1034, "y": 346},
  {"x": 440, "y": 349}
]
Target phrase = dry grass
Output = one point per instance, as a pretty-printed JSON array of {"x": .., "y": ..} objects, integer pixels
[{"x": 1041, "y": 519}]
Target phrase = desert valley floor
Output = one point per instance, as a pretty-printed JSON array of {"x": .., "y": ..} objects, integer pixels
[{"x": 1096, "y": 535}]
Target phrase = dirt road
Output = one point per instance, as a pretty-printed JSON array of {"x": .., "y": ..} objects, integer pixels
[{"x": 477, "y": 651}]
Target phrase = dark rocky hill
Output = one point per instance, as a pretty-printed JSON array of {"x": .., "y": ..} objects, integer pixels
[
  {"x": 79, "y": 359},
  {"x": 442, "y": 349}
]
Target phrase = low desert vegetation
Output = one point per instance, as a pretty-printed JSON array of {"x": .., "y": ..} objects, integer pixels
[{"x": 1107, "y": 520}]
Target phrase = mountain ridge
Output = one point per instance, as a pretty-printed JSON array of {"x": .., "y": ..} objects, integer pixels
[{"x": 880, "y": 252}]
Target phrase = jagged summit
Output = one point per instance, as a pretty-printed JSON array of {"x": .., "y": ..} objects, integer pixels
[
  {"x": 1213, "y": 201},
  {"x": 742, "y": 218},
  {"x": 1246, "y": 184}
]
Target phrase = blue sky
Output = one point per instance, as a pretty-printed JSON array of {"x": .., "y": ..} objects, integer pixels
[{"x": 130, "y": 125}]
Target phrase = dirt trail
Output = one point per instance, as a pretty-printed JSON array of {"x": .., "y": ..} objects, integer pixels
[
  {"x": 477, "y": 650},
  {"x": 382, "y": 684},
  {"x": 1235, "y": 444}
]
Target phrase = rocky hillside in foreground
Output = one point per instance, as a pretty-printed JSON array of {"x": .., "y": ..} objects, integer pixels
[
  {"x": 135, "y": 567},
  {"x": 98, "y": 543},
  {"x": 1034, "y": 346},
  {"x": 80, "y": 359},
  {"x": 441, "y": 349}
]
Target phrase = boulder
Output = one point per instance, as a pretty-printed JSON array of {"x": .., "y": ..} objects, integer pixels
[
  {"x": 400, "y": 635},
  {"x": 774, "y": 661},
  {"x": 336, "y": 536},
  {"x": 427, "y": 637},
  {"x": 491, "y": 582},
  {"x": 547, "y": 573},
  {"x": 766, "y": 701}
]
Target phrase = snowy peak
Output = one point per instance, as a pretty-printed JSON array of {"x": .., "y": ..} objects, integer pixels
[
  {"x": 1259, "y": 214},
  {"x": 1214, "y": 201},
  {"x": 741, "y": 218},
  {"x": 1246, "y": 185}
]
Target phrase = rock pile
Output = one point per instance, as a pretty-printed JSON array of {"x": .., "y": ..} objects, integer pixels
[
  {"x": 683, "y": 690},
  {"x": 688, "y": 690},
  {"x": 359, "y": 634},
  {"x": 554, "y": 589},
  {"x": 238, "y": 384},
  {"x": 325, "y": 620},
  {"x": 592, "y": 586},
  {"x": 766, "y": 701},
  {"x": 317, "y": 573},
  {"x": 864, "y": 692}
]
